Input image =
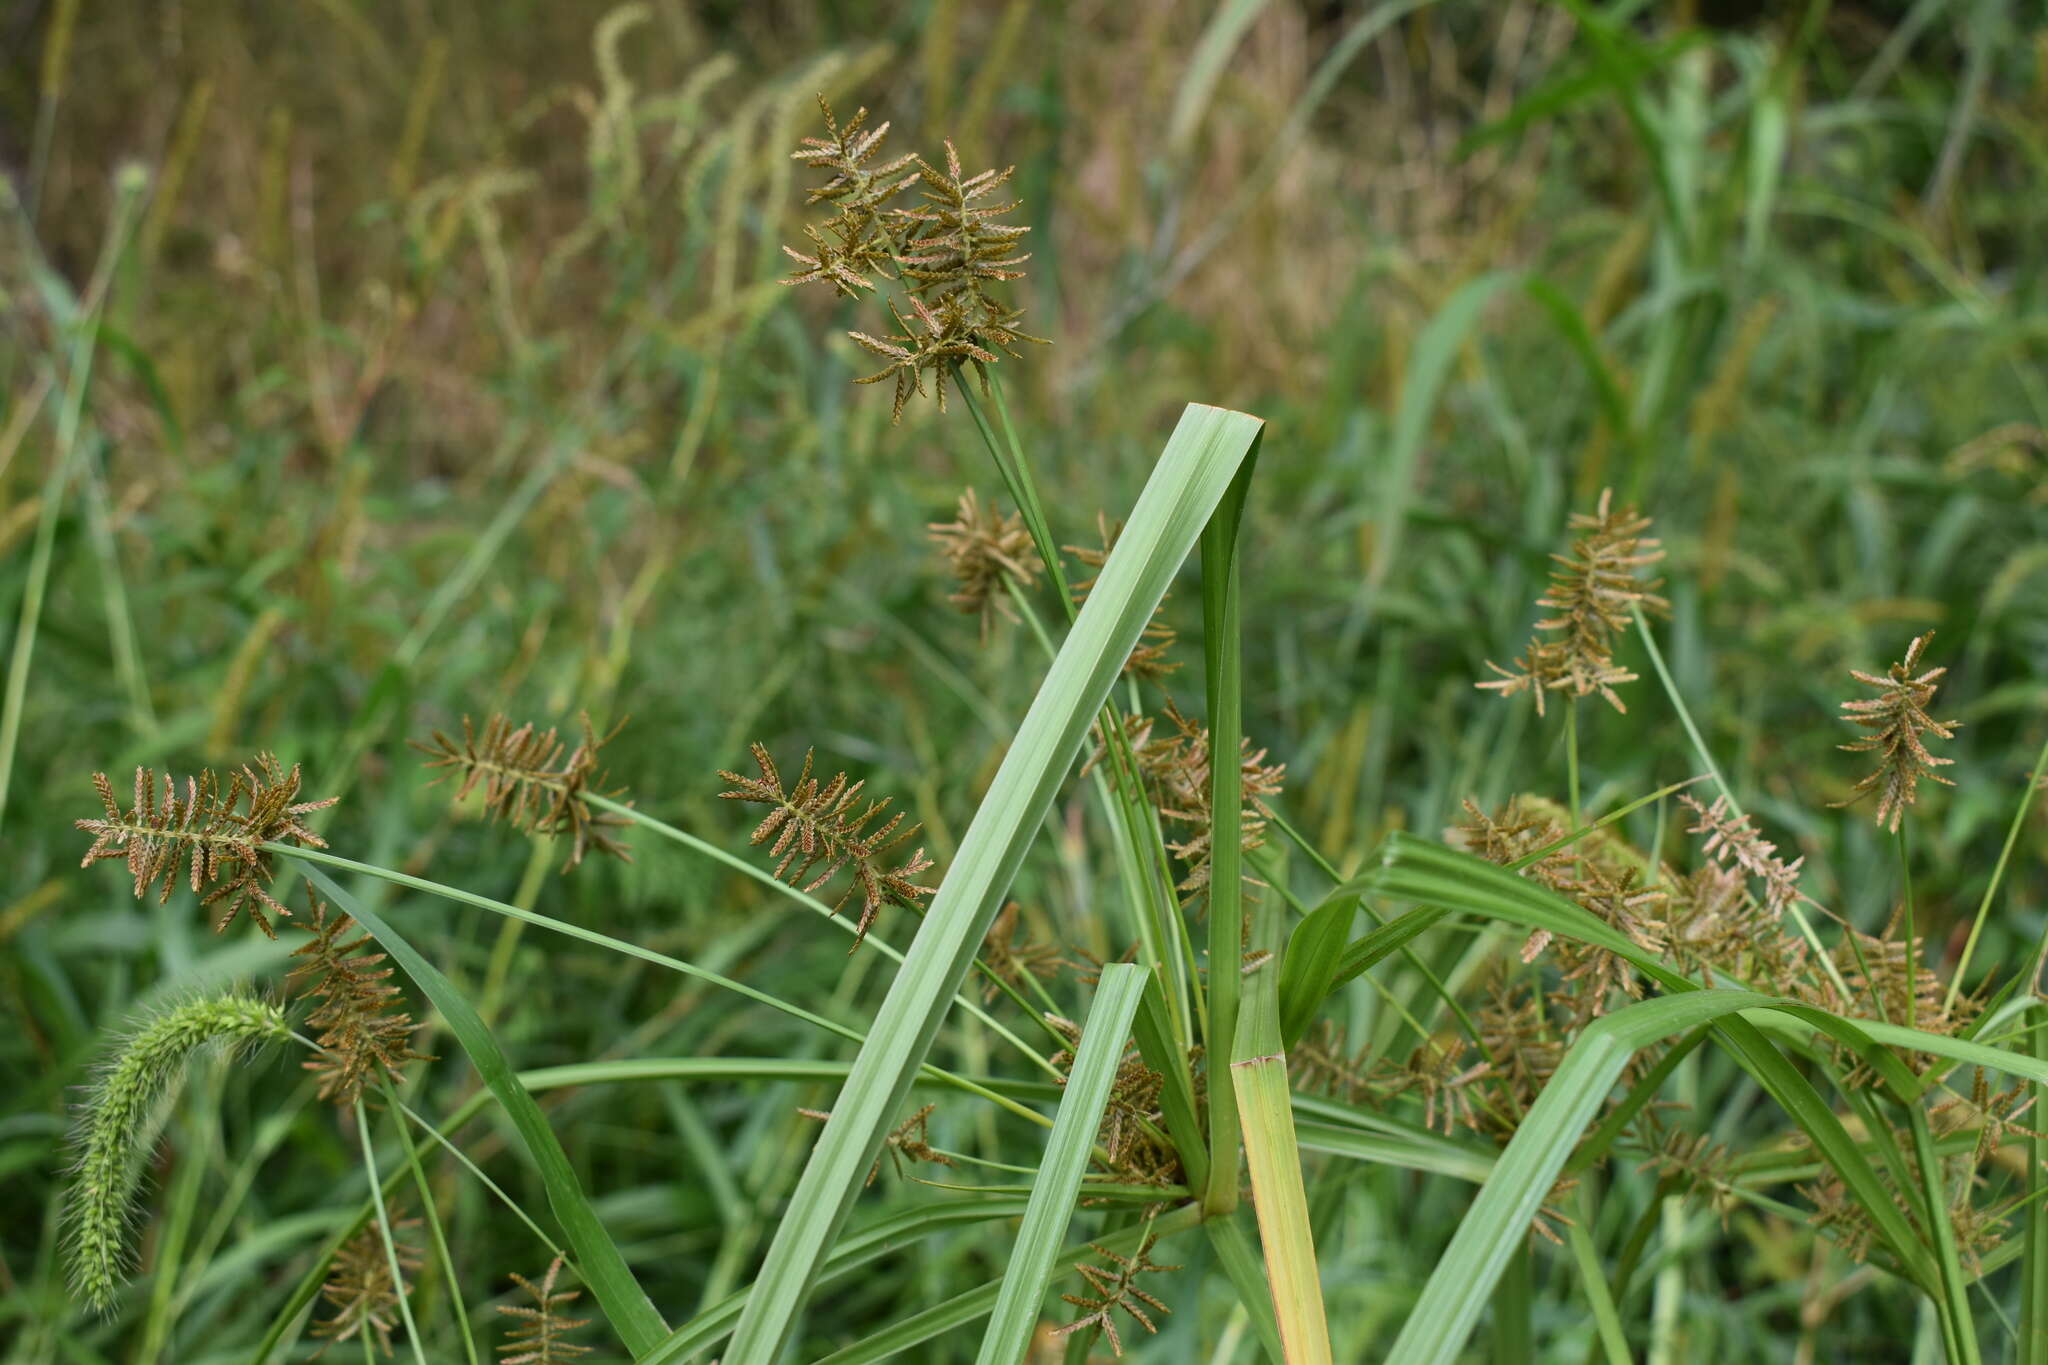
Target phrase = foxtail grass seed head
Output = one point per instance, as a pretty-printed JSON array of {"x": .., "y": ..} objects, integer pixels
[
  {"x": 206, "y": 836},
  {"x": 1593, "y": 591},
  {"x": 119, "y": 1120},
  {"x": 985, "y": 551},
  {"x": 942, "y": 255},
  {"x": 1898, "y": 716},
  {"x": 529, "y": 783},
  {"x": 540, "y": 1333},
  {"x": 827, "y": 823}
]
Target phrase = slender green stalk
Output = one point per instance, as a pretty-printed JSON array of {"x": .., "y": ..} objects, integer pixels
[
  {"x": 1571, "y": 756},
  {"x": 432, "y": 1214},
  {"x": 619, "y": 945},
  {"x": 812, "y": 903},
  {"x": 1912, "y": 933},
  {"x": 2033, "y": 1333},
  {"x": 1593, "y": 1279},
  {"x": 1223, "y": 646},
  {"x": 399, "y": 1289},
  {"x": 1258, "y": 1076},
  {"x": 2012, "y": 836},
  {"x": 1514, "y": 1340}
]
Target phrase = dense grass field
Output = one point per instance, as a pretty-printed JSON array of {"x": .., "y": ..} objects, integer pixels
[{"x": 379, "y": 379}]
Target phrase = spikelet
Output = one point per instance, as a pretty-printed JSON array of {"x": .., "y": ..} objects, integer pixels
[
  {"x": 204, "y": 837},
  {"x": 1899, "y": 716},
  {"x": 120, "y": 1117},
  {"x": 1115, "y": 1287},
  {"x": 539, "y": 1337},
  {"x": 1592, "y": 592},
  {"x": 360, "y": 1289},
  {"x": 361, "y": 1040},
  {"x": 813, "y": 824},
  {"x": 985, "y": 550},
  {"x": 528, "y": 783}
]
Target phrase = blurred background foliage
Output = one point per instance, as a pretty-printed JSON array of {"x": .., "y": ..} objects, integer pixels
[{"x": 447, "y": 370}]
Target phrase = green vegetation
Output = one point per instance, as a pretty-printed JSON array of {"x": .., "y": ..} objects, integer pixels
[{"x": 418, "y": 470}]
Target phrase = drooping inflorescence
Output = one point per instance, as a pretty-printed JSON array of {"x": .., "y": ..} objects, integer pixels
[
  {"x": 120, "y": 1117},
  {"x": 361, "y": 1039}
]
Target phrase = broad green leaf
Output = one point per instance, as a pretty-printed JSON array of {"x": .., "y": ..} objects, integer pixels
[
  {"x": 1315, "y": 950},
  {"x": 1258, "y": 1074},
  {"x": 1200, "y": 462},
  {"x": 1067, "y": 1152},
  {"x": 1223, "y": 655}
]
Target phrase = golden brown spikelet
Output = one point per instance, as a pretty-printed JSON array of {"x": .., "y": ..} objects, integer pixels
[
  {"x": 816, "y": 823},
  {"x": 206, "y": 837},
  {"x": 531, "y": 779}
]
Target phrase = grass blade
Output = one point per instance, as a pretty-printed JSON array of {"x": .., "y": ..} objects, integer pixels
[
  {"x": 1259, "y": 1077},
  {"x": 1066, "y": 1160},
  {"x": 1223, "y": 652},
  {"x": 598, "y": 1260},
  {"x": 1199, "y": 464}
]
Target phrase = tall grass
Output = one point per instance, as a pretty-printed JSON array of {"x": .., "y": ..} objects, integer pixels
[{"x": 441, "y": 367}]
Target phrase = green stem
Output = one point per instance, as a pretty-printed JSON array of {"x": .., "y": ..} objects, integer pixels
[
  {"x": 812, "y": 903},
  {"x": 1912, "y": 943},
  {"x": 433, "y": 1216},
  {"x": 398, "y": 1285},
  {"x": 2012, "y": 836},
  {"x": 1571, "y": 756}
]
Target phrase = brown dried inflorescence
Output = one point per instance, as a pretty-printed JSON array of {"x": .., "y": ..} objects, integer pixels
[
  {"x": 360, "y": 1289},
  {"x": 1010, "y": 959},
  {"x": 531, "y": 779},
  {"x": 1593, "y": 593},
  {"x": 943, "y": 253},
  {"x": 207, "y": 835},
  {"x": 910, "y": 1141},
  {"x": 1899, "y": 716},
  {"x": 817, "y": 823},
  {"x": 540, "y": 1336},
  {"x": 1175, "y": 770},
  {"x": 1115, "y": 1286},
  {"x": 985, "y": 551},
  {"x": 1133, "y": 1132},
  {"x": 361, "y": 1039}
]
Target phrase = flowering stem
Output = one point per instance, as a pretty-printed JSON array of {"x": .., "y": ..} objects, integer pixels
[
  {"x": 398, "y": 1290},
  {"x": 1912, "y": 946},
  {"x": 2012, "y": 835},
  {"x": 1571, "y": 756}
]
